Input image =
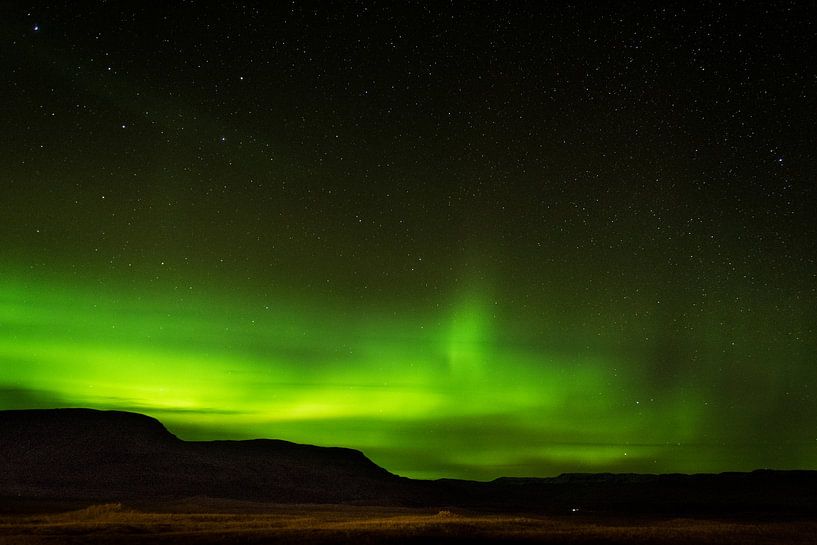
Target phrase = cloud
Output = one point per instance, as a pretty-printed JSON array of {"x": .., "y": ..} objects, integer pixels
[{"x": 18, "y": 397}]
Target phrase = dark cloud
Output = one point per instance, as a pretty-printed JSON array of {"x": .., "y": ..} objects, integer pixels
[{"x": 18, "y": 397}]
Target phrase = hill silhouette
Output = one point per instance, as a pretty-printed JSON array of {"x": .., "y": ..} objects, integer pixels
[
  {"x": 100, "y": 455},
  {"x": 91, "y": 455}
]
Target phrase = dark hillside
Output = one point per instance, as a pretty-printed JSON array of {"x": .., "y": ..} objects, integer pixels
[{"x": 88, "y": 455}]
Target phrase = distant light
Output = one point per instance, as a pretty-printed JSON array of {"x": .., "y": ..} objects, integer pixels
[
  {"x": 36, "y": 28},
  {"x": 574, "y": 510}
]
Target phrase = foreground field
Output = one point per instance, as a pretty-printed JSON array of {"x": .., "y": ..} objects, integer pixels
[{"x": 113, "y": 523}]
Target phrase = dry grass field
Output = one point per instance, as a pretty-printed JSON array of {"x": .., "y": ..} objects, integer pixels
[{"x": 114, "y": 523}]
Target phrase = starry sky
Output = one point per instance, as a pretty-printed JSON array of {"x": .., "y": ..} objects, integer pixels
[{"x": 471, "y": 239}]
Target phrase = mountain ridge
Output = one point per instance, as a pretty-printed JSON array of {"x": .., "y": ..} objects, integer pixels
[
  {"x": 93, "y": 455},
  {"x": 116, "y": 454}
]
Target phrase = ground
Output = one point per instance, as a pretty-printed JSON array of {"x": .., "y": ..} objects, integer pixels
[{"x": 258, "y": 524}]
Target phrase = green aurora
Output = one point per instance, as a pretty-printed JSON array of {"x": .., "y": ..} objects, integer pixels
[
  {"x": 471, "y": 240},
  {"x": 455, "y": 394}
]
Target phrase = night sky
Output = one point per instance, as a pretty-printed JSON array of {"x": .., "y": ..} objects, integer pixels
[{"x": 471, "y": 239}]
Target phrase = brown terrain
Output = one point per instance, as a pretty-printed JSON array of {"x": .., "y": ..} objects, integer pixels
[{"x": 84, "y": 476}]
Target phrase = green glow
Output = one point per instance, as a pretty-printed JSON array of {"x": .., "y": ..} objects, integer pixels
[{"x": 457, "y": 399}]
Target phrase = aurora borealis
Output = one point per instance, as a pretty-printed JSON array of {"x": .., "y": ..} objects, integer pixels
[{"x": 471, "y": 241}]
